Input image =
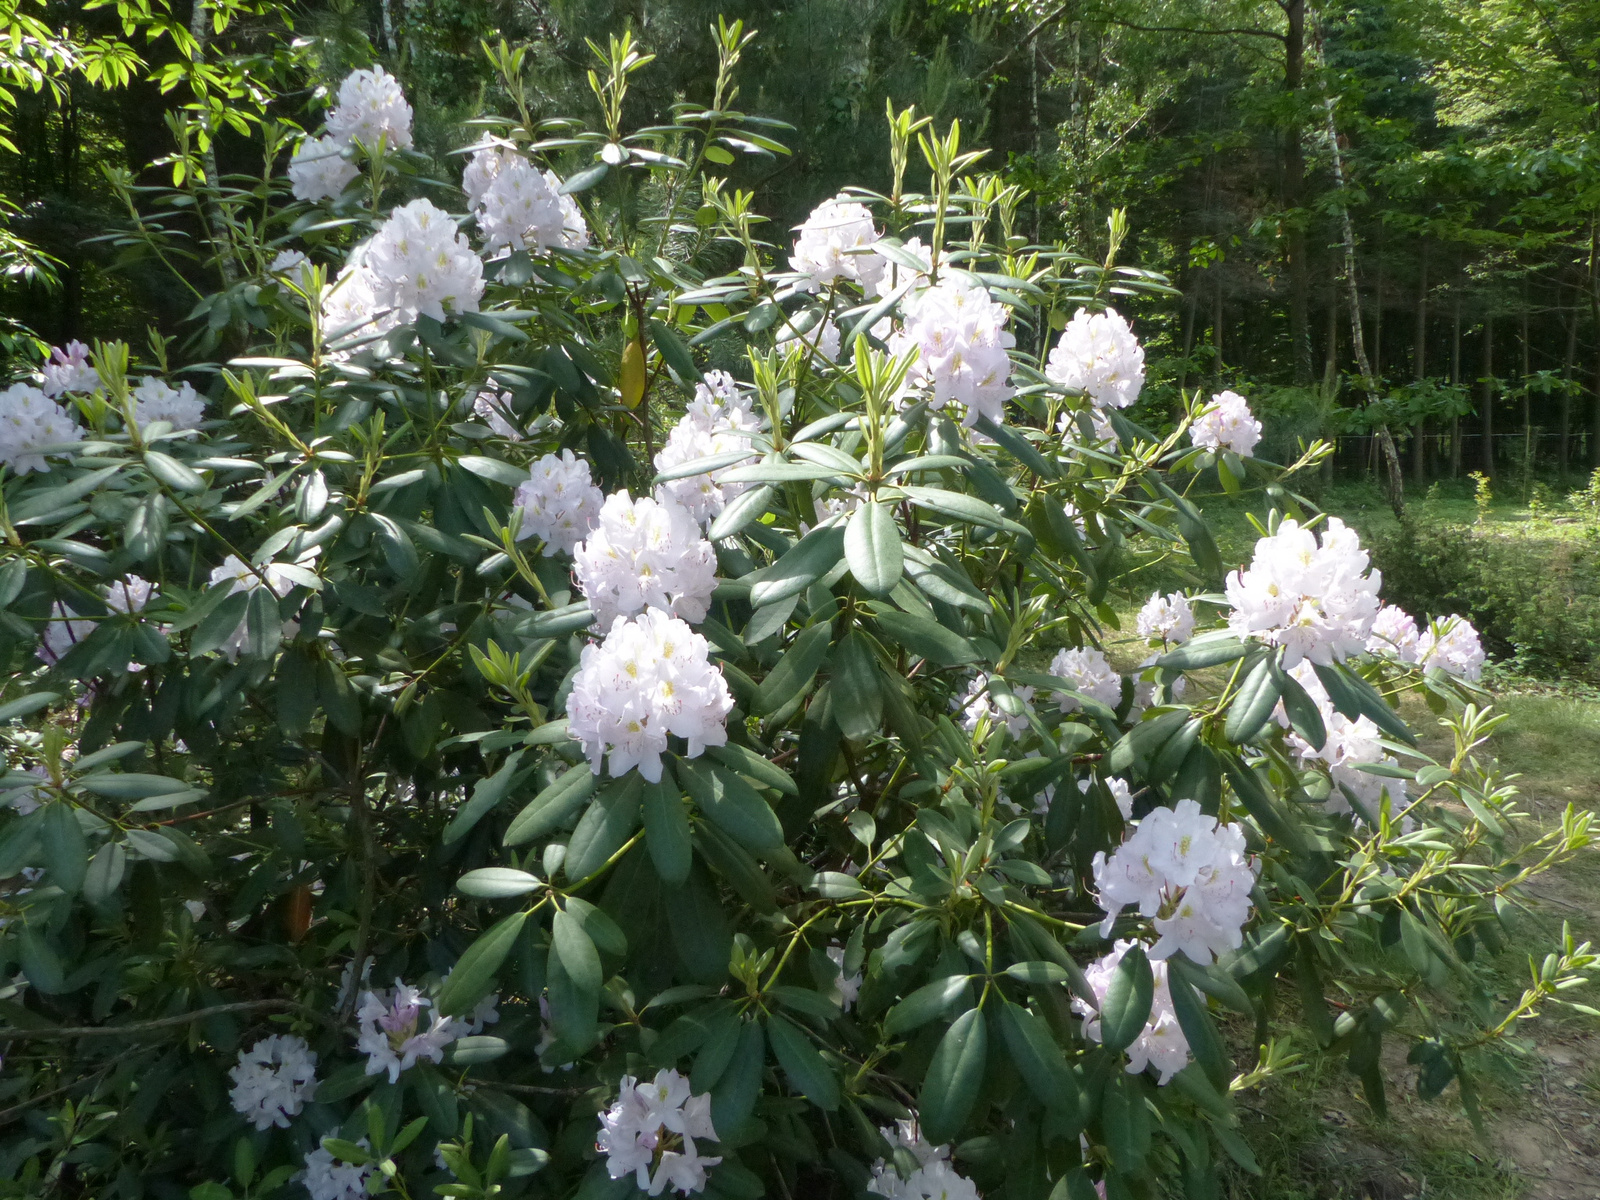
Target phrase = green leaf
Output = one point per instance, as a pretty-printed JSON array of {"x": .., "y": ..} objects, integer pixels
[
  {"x": 674, "y": 353},
  {"x": 961, "y": 507},
  {"x": 497, "y": 883},
  {"x": 1213, "y": 982},
  {"x": 49, "y": 500},
  {"x": 797, "y": 667},
  {"x": 27, "y": 705},
  {"x": 1304, "y": 715},
  {"x": 872, "y": 548},
  {"x": 857, "y": 687},
  {"x": 1017, "y": 446},
  {"x": 803, "y": 1064},
  {"x": 1204, "y": 1042},
  {"x": 733, "y": 1098},
  {"x": 1037, "y": 973},
  {"x": 1355, "y": 697},
  {"x": 926, "y": 639},
  {"x": 219, "y": 624},
  {"x": 612, "y": 817},
  {"x": 740, "y": 511},
  {"x": 776, "y": 471},
  {"x": 474, "y": 974},
  {"x": 105, "y": 873},
  {"x": 1038, "y": 1058},
  {"x": 41, "y": 962},
  {"x": 605, "y": 933},
  {"x": 1126, "y": 1008},
  {"x": 173, "y": 473},
  {"x": 550, "y": 809},
  {"x": 1206, "y": 650},
  {"x": 66, "y": 850},
  {"x": 732, "y": 804},
  {"x": 1252, "y": 706},
  {"x": 574, "y": 1011},
  {"x": 928, "y": 1002},
  {"x": 803, "y": 1000},
  {"x": 129, "y": 786},
  {"x": 577, "y": 952},
  {"x": 812, "y": 557},
  {"x": 666, "y": 832},
  {"x": 488, "y": 793},
  {"x": 493, "y": 469},
  {"x": 954, "y": 1078},
  {"x": 747, "y": 762}
]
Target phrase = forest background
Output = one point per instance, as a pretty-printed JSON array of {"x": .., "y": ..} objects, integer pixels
[{"x": 1443, "y": 149}]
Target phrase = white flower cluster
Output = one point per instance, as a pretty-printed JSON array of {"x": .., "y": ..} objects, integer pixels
[
  {"x": 1347, "y": 746},
  {"x": 63, "y": 631},
  {"x": 960, "y": 340},
  {"x": 934, "y": 1178},
  {"x": 30, "y": 423},
  {"x": 1317, "y": 602},
  {"x": 560, "y": 503},
  {"x": 321, "y": 169},
  {"x": 1098, "y": 355},
  {"x": 718, "y": 421},
  {"x": 1452, "y": 645},
  {"x": 824, "y": 342},
  {"x": 1394, "y": 634},
  {"x": 1168, "y": 619},
  {"x": 1161, "y": 1044},
  {"x": 645, "y": 553},
  {"x": 835, "y": 243},
  {"x": 651, "y": 677},
  {"x": 978, "y": 704},
  {"x": 326, "y": 1178},
  {"x": 1188, "y": 874},
  {"x": 155, "y": 400},
  {"x": 493, "y": 409},
  {"x": 519, "y": 208},
  {"x": 1226, "y": 424},
  {"x": 849, "y": 985},
  {"x": 649, "y": 1133},
  {"x": 243, "y": 578},
  {"x": 68, "y": 371},
  {"x": 417, "y": 263},
  {"x": 273, "y": 1080},
  {"x": 371, "y": 105},
  {"x": 1089, "y": 672},
  {"x": 289, "y": 261},
  {"x": 390, "y": 1034}
]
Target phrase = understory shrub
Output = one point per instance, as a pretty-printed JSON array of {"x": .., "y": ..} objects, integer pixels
[
  {"x": 457, "y": 743},
  {"x": 1535, "y": 600}
]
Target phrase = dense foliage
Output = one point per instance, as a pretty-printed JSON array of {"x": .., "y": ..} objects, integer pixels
[{"x": 590, "y": 638}]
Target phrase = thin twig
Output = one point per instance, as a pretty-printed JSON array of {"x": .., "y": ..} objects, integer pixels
[{"x": 138, "y": 1027}]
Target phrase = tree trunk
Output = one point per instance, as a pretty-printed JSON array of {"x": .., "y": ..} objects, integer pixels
[
  {"x": 1396, "y": 487},
  {"x": 1455, "y": 382},
  {"x": 1527, "y": 399},
  {"x": 1488, "y": 395},
  {"x": 1568, "y": 360},
  {"x": 1191, "y": 302},
  {"x": 1294, "y": 168},
  {"x": 1419, "y": 436},
  {"x": 1216, "y": 329}
]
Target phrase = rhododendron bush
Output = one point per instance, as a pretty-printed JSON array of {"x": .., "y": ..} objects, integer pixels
[{"x": 559, "y": 689}]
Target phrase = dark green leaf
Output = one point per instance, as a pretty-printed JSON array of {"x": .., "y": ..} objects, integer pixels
[
  {"x": 872, "y": 547},
  {"x": 954, "y": 1078},
  {"x": 486, "y": 795},
  {"x": 1126, "y": 1008},
  {"x": 800, "y": 662},
  {"x": 612, "y": 817},
  {"x": 803, "y": 1064},
  {"x": 1252, "y": 705},
  {"x": 550, "y": 809},
  {"x": 666, "y": 832},
  {"x": 474, "y": 974}
]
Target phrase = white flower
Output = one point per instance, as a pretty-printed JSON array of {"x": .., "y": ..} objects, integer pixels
[
  {"x": 892, "y": 274},
  {"x": 491, "y": 408},
  {"x": 29, "y": 423},
  {"x": 1121, "y": 793},
  {"x": 389, "y": 1033},
  {"x": 574, "y": 229},
  {"x": 1347, "y": 745},
  {"x": 933, "y": 1178},
  {"x": 371, "y": 105},
  {"x": 68, "y": 371},
  {"x": 320, "y": 169},
  {"x": 823, "y": 342},
  {"x": 155, "y": 400},
  {"x": 1169, "y": 618},
  {"x": 1161, "y": 1044},
  {"x": 292, "y": 263},
  {"x": 273, "y": 1080},
  {"x": 519, "y": 208},
  {"x": 243, "y": 578},
  {"x": 1394, "y": 634},
  {"x": 1226, "y": 424},
  {"x": 559, "y": 503},
  {"x": 978, "y": 704},
  {"x": 421, "y": 265},
  {"x": 325, "y": 1178},
  {"x": 835, "y": 243},
  {"x": 1105, "y": 436},
  {"x": 1099, "y": 356},
  {"x": 645, "y": 553},
  {"x": 649, "y": 678},
  {"x": 1189, "y": 874},
  {"x": 1452, "y": 645},
  {"x": 484, "y": 1013},
  {"x": 1317, "y": 602},
  {"x": 1089, "y": 672},
  {"x": 650, "y": 1132},
  {"x": 959, "y": 337},
  {"x": 849, "y": 985},
  {"x": 719, "y": 421},
  {"x": 61, "y": 633}
]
